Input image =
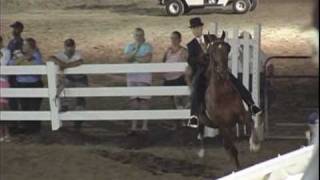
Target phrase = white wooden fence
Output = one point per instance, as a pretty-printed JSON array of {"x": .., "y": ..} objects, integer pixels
[
  {"x": 51, "y": 71},
  {"x": 282, "y": 167}
]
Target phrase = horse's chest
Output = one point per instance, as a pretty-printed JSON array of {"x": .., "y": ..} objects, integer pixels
[
  {"x": 220, "y": 93},
  {"x": 220, "y": 98}
]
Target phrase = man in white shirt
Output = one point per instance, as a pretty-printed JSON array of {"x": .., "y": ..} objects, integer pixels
[{"x": 69, "y": 58}]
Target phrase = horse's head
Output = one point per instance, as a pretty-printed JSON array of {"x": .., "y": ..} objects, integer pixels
[{"x": 218, "y": 51}]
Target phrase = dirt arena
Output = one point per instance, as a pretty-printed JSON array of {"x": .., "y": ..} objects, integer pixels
[{"x": 102, "y": 150}]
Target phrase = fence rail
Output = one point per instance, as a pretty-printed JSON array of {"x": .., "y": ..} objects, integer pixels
[
  {"x": 294, "y": 162},
  {"x": 51, "y": 92},
  {"x": 97, "y": 115},
  {"x": 52, "y": 72}
]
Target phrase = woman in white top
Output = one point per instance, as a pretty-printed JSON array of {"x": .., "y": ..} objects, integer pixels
[
  {"x": 176, "y": 54},
  {"x": 4, "y": 60}
]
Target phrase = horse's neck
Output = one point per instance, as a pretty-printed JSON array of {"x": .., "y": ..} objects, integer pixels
[
  {"x": 216, "y": 82},
  {"x": 216, "y": 77}
]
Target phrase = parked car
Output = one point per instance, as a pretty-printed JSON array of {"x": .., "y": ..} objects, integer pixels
[{"x": 180, "y": 7}]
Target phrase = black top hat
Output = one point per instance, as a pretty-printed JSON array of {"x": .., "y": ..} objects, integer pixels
[
  {"x": 17, "y": 24},
  {"x": 195, "y": 22}
]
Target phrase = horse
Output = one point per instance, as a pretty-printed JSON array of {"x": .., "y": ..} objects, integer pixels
[{"x": 223, "y": 106}]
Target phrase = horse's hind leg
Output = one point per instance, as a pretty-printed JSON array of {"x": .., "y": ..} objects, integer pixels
[
  {"x": 201, "y": 137},
  {"x": 228, "y": 143}
]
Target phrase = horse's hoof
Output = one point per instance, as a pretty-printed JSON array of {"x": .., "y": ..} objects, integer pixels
[{"x": 201, "y": 153}]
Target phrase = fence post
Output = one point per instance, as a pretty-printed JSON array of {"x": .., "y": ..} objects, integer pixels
[
  {"x": 53, "y": 101},
  {"x": 234, "y": 42},
  {"x": 246, "y": 57},
  {"x": 256, "y": 65},
  {"x": 213, "y": 28},
  {"x": 235, "y": 52}
]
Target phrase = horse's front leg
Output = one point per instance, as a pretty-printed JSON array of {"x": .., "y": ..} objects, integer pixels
[
  {"x": 228, "y": 143},
  {"x": 201, "y": 138},
  {"x": 256, "y": 136}
]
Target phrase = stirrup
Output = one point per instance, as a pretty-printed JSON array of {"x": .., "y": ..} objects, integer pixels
[{"x": 193, "y": 125}]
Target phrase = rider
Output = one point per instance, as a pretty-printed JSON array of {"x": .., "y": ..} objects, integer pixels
[{"x": 198, "y": 61}]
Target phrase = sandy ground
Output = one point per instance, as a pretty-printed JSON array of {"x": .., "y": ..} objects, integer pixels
[{"x": 102, "y": 150}]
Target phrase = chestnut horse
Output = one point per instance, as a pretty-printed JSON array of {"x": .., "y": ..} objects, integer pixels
[{"x": 223, "y": 106}]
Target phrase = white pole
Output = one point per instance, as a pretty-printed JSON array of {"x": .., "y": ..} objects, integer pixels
[
  {"x": 234, "y": 61},
  {"x": 256, "y": 65},
  {"x": 256, "y": 69},
  {"x": 53, "y": 100}
]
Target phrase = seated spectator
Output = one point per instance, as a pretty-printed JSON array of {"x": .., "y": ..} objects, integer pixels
[
  {"x": 4, "y": 60},
  {"x": 69, "y": 58},
  {"x": 174, "y": 54},
  {"x": 30, "y": 55},
  {"x": 139, "y": 52}
]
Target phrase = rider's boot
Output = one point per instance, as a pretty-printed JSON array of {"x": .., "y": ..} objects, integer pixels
[{"x": 255, "y": 110}]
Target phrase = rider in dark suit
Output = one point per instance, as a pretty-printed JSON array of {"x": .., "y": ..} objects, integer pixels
[{"x": 198, "y": 61}]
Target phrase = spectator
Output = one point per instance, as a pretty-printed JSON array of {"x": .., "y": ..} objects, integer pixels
[
  {"x": 176, "y": 53},
  {"x": 4, "y": 60},
  {"x": 14, "y": 45},
  {"x": 69, "y": 58},
  {"x": 30, "y": 55},
  {"x": 139, "y": 52}
]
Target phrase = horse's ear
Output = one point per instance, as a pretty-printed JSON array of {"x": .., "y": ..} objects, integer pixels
[{"x": 223, "y": 35}]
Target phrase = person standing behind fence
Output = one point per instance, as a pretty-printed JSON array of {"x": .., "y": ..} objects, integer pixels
[
  {"x": 4, "y": 60},
  {"x": 14, "y": 45},
  {"x": 174, "y": 54},
  {"x": 30, "y": 55},
  {"x": 69, "y": 58},
  {"x": 139, "y": 52}
]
